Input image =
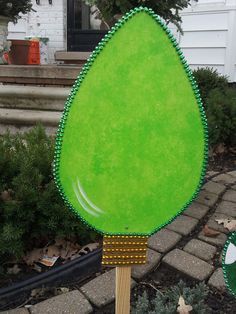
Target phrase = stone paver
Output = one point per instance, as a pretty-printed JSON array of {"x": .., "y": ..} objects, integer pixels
[
  {"x": 217, "y": 280},
  {"x": 219, "y": 240},
  {"x": 230, "y": 196},
  {"x": 224, "y": 178},
  {"x": 207, "y": 198},
  {"x": 211, "y": 173},
  {"x": 233, "y": 187},
  {"x": 200, "y": 249},
  {"x": 227, "y": 208},
  {"x": 101, "y": 290},
  {"x": 214, "y": 224},
  {"x": 214, "y": 187},
  {"x": 232, "y": 173},
  {"x": 72, "y": 302},
  {"x": 196, "y": 210},
  {"x": 153, "y": 260},
  {"x": 188, "y": 264},
  {"x": 183, "y": 225},
  {"x": 164, "y": 240},
  {"x": 16, "y": 311}
]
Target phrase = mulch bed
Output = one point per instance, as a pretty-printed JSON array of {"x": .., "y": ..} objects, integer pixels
[{"x": 164, "y": 278}]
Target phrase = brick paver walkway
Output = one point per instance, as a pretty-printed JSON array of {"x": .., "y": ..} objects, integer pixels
[{"x": 195, "y": 258}]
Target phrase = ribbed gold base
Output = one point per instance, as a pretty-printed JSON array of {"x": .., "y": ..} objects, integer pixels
[{"x": 124, "y": 250}]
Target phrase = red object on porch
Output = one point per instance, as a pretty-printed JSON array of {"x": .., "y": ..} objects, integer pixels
[{"x": 24, "y": 52}]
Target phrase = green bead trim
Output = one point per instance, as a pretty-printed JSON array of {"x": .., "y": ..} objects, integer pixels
[
  {"x": 229, "y": 240},
  {"x": 78, "y": 83}
]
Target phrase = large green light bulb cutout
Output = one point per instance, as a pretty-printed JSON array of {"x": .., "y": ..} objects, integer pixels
[{"x": 131, "y": 146}]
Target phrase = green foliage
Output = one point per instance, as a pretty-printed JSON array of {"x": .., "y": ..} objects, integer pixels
[
  {"x": 12, "y": 8},
  {"x": 209, "y": 79},
  {"x": 167, "y": 9},
  {"x": 167, "y": 303},
  {"x": 221, "y": 116},
  {"x": 31, "y": 209},
  {"x": 219, "y": 101}
]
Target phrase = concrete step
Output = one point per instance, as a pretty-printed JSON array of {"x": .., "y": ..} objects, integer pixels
[
  {"x": 33, "y": 97},
  {"x": 63, "y": 75},
  {"x": 18, "y": 120},
  {"x": 72, "y": 57}
]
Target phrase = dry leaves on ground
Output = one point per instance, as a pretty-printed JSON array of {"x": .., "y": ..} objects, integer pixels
[
  {"x": 208, "y": 232},
  {"x": 228, "y": 223},
  {"x": 13, "y": 270},
  {"x": 183, "y": 308},
  {"x": 66, "y": 250}
]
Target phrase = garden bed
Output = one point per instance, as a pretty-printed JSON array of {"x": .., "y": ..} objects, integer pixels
[{"x": 164, "y": 278}]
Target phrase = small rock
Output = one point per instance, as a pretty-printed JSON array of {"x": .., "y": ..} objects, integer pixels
[
  {"x": 200, "y": 249},
  {"x": 183, "y": 225},
  {"x": 188, "y": 264},
  {"x": 164, "y": 240},
  {"x": 217, "y": 280}
]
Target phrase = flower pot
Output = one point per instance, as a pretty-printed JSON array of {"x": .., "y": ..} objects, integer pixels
[
  {"x": 3, "y": 34},
  {"x": 24, "y": 52}
]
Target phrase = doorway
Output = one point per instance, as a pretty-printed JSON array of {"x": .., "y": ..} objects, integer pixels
[{"x": 84, "y": 28}]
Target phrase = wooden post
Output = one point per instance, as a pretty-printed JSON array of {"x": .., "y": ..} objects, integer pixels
[
  {"x": 123, "y": 281},
  {"x": 122, "y": 252}
]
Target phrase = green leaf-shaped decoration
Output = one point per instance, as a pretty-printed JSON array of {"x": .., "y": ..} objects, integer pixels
[
  {"x": 229, "y": 263},
  {"x": 131, "y": 143}
]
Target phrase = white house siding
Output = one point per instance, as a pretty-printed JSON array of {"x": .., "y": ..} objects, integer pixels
[
  {"x": 209, "y": 32},
  {"x": 47, "y": 21},
  {"x": 209, "y": 38}
]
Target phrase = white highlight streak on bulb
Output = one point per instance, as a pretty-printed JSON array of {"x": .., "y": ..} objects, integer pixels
[
  {"x": 82, "y": 203},
  {"x": 87, "y": 199}
]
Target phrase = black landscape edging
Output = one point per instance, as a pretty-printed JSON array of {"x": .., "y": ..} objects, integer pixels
[{"x": 75, "y": 270}]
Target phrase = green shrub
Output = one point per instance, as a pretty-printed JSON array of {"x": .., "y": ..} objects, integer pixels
[
  {"x": 31, "y": 210},
  {"x": 209, "y": 79},
  {"x": 12, "y": 8},
  {"x": 221, "y": 116},
  {"x": 167, "y": 303}
]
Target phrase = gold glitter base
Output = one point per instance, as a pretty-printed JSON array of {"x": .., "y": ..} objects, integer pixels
[{"x": 124, "y": 250}]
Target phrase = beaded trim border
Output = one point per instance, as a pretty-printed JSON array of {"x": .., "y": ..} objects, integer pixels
[
  {"x": 124, "y": 250},
  {"x": 79, "y": 81},
  {"x": 229, "y": 240}
]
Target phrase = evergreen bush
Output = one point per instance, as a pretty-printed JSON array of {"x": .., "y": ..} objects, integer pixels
[
  {"x": 167, "y": 9},
  {"x": 221, "y": 116},
  {"x": 167, "y": 302},
  {"x": 32, "y": 212},
  {"x": 209, "y": 79},
  {"x": 12, "y": 8}
]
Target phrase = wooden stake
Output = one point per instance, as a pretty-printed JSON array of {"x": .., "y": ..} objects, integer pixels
[{"x": 123, "y": 281}]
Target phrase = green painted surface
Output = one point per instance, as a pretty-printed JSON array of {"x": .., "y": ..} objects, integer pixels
[
  {"x": 229, "y": 263},
  {"x": 133, "y": 145}
]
